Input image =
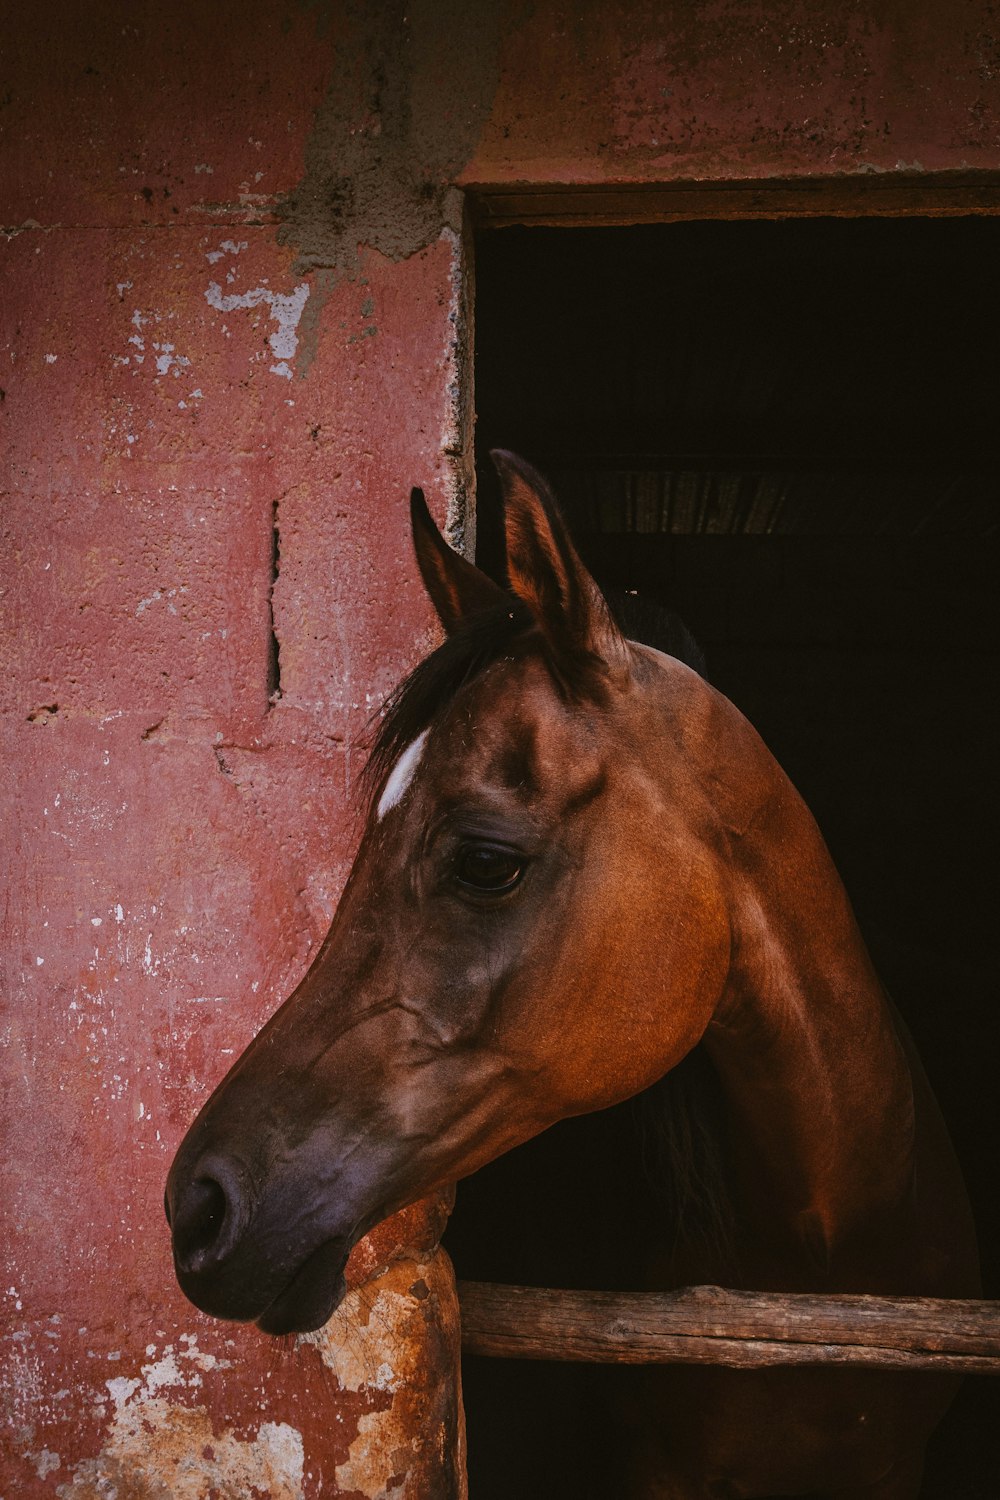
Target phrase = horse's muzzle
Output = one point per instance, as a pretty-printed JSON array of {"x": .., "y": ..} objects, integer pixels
[{"x": 236, "y": 1260}]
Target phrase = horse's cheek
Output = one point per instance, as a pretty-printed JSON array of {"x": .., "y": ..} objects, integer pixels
[{"x": 657, "y": 971}]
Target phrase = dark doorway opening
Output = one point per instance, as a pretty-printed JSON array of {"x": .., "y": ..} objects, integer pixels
[{"x": 786, "y": 432}]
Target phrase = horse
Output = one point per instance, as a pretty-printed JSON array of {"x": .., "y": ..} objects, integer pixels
[{"x": 580, "y": 863}]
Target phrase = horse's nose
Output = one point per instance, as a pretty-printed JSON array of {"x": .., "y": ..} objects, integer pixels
[{"x": 207, "y": 1212}]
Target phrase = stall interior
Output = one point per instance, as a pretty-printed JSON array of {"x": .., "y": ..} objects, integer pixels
[{"x": 786, "y": 433}]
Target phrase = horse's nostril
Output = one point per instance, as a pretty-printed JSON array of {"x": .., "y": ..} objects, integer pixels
[
  {"x": 210, "y": 1213},
  {"x": 202, "y": 1225}
]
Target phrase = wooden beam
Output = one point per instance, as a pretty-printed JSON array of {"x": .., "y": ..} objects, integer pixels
[
  {"x": 710, "y": 1325},
  {"x": 498, "y": 205}
]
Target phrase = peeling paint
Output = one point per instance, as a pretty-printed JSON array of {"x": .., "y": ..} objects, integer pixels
[
  {"x": 227, "y": 247},
  {"x": 160, "y": 1450},
  {"x": 457, "y": 439},
  {"x": 285, "y": 309},
  {"x": 158, "y": 1446},
  {"x": 45, "y": 1461},
  {"x": 388, "y": 1339},
  {"x": 373, "y": 1468},
  {"x": 169, "y": 363}
]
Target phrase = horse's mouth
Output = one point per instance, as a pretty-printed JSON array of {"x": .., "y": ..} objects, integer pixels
[{"x": 312, "y": 1294}]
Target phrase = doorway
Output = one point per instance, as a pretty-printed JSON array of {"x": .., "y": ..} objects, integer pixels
[{"x": 785, "y": 431}]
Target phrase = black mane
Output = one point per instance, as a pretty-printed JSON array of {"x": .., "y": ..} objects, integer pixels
[
  {"x": 485, "y": 638},
  {"x": 652, "y": 624}
]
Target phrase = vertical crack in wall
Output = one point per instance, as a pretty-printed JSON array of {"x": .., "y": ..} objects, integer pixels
[
  {"x": 458, "y": 441},
  {"x": 273, "y": 644}
]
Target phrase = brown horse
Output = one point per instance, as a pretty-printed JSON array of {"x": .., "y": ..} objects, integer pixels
[{"x": 579, "y": 863}]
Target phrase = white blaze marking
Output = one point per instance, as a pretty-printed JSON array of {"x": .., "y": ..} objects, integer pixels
[{"x": 401, "y": 775}]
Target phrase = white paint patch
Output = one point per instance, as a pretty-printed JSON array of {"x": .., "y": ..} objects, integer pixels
[
  {"x": 352, "y": 1344},
  {"x": 286, "y": 310},
  {"x": 159, "y": 1447},
  {"x": 121, "y": 1389},
  {"x": 228, "y": 247},
  {"x": 157, "y": 594},
  {"x": 165, "y": 1371},
  {"x": 401, "y": 775},
  {"x": 167, "y": 362},
  {"x": 45, "y": 1461}
]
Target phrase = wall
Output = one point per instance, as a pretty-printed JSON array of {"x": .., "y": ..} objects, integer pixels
[
  {"x": 183, "y": 400},
  {"x": 632, "y": 91},
  {"x": 233, "y": 306}
]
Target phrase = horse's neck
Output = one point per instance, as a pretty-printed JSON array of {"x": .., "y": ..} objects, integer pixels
[{"x": 818, "y": 1089}]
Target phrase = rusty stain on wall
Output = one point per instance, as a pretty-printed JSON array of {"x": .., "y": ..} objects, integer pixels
[{"x": 392, "y": 1334}]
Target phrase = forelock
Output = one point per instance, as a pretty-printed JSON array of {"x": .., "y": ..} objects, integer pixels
[{"x": 410, "y": 709}]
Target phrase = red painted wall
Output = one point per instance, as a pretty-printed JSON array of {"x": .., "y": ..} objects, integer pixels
[
  {"x": 638, "y": 91},
  {"x": 232, "y": 313},
  {"x": 176, "y": 841}
]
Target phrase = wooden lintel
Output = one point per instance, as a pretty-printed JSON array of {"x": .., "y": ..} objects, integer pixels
[{"x": 909, "y": 193}]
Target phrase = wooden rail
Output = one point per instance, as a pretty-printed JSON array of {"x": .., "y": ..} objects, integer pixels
[{"x": 709, "y": 1325}]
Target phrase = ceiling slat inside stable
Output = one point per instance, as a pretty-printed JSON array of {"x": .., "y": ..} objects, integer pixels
[{"x": 800, "y": 377}]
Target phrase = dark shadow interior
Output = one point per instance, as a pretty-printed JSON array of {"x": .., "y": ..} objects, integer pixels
[{"x": 786, "y": 432}]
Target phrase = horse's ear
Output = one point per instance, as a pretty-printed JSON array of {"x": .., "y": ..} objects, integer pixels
[
  {"x": 546, "y": 572},
  {"x": 457, "y": 589}
]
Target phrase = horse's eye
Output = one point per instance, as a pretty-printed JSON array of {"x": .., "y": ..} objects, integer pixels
[{"x": 488, "y": 870}]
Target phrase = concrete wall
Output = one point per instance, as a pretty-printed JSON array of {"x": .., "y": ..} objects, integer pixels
[{"x": 233, "y": 309}]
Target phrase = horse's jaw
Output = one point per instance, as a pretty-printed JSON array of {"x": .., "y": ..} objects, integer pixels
[{"x": 312, "y": 1295}]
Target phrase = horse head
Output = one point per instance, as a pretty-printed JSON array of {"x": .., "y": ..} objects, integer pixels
[{"x": 501, "y": 957}]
